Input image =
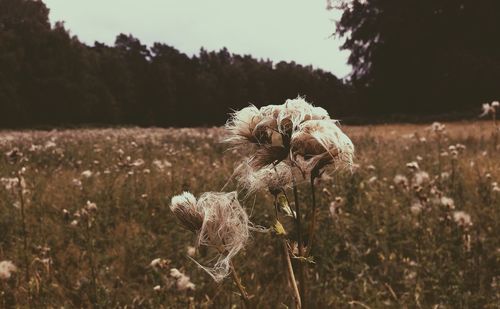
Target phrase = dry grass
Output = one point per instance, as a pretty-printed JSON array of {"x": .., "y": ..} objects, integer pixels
[{"x": 371, "y": 251}]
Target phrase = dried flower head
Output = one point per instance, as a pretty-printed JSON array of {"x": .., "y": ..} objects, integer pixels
[
  {"x": 6, "y": 269},
  {"x": 412, "y": 166},
  {"x": 277, "y": 133},
  {"x": 187, "y": 211},
  {"x": 321, "y": 142},
  {"x": 335, "y": 206},
  {"x": 462, "y": 219},
  {"x": 420, "y": 178},
  {"x": 220, "y": 222},
  {"x": 159, "y": 263},
  {"x": 275, "y": 178},
  {"x": 447, "y": 202},
  {"x": 489, "y": 109},
  {"x": 416, "y": 208},
  {"x": 401, "y": 180},
  {"x": 247, "y": 126},
  {"x": 183, "y": 282},
  {"x": 438, "y": 128}
]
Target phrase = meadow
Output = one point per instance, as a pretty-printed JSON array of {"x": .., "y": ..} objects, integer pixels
[{"x": 84, "y": 213}]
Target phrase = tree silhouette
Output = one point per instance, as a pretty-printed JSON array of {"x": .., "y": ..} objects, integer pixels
[{"x": 423, "y": 56}]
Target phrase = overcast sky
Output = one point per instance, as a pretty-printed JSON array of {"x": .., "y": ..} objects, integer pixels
[{"x": 290, "y": 30}]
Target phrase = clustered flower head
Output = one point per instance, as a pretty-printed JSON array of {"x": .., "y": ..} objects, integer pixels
[
  {"x": 6, "y": 270},
  {"x": 295, "y": 132},
  {"x": 219, "y": 221}
]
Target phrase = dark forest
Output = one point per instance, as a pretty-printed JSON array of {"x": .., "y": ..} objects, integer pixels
[{"x": 411, "y": 60}]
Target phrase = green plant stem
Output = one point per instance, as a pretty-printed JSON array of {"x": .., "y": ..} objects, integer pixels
[{"x": 300, "y": 244}]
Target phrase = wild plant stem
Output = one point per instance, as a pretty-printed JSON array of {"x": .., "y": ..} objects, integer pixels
[
  {"x": 25, "y": 237},
  {"x": 291, "y": 275},
  {"x": 288, "y": 266},
  {"x": 302, "y": 284},
  {"x": 90, "y": 257},
  {"x": 237, "y": 281},
  {"x": 312, "y": 227}
]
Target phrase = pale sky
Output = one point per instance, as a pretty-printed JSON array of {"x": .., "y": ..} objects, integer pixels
[{"x": 289, "y": 30}]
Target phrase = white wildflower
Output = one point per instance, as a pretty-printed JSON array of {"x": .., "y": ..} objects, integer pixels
[
  {"x": 420, "y": 178},
  {"x": 191, "y": 251},
  {"x": 6, "y": 270},
  {"x": 413, "y": 166},
  {"x": 401, "y": 180},
  {"x": 159, "y": 263},
  {"x": 87, "y": 174},
  {"x": 416, "y": 208},
  {"x": 183, "y": 282},
  {"x": 462, "y": 218},
  {"x": 447, "y": 202}
]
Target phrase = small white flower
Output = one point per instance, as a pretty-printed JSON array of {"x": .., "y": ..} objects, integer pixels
[
  {"x": 87, "y": 174},
  {"x": 416, "y": 208},
  {"x": 462, "y": 218},
  {"x": 447, "y": 202},
  {"x": 6, "y": 269},
  {"x": 191, "y": 251}
]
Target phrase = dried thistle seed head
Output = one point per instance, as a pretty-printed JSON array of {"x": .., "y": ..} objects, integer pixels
[
  {"x": 225, "y": 227},
  {"x": 322, "y": 142},
  {"x": 295, "y": 111},
  {"x": 267, "y": 155},
  {"x": 185, "y": 208},
  {"x": 271, "y": 111},
  {"x": 272, "y": 177},
  {"x": 245, "y": 126}
]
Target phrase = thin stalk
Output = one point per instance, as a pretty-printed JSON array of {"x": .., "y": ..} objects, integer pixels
[
  {"x": 288, "y": 266},
  {"x": 25, "y": 237},
  {"x": 312, "y": 227},
  {"x": 237, "y": 281},
  {"x": 291, "y": 276},
  {"x": 90, "y": 258},
  {"x": 495, "y": 130},
  {"x": 300, "y": 244}
]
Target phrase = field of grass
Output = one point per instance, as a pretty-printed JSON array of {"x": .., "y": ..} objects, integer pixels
[{"x": 92, "y": 211}]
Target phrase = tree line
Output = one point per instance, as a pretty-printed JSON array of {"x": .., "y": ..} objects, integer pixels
[
  {"x": 50, "y": 78},
  {"x": 411, "y": 59}
]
